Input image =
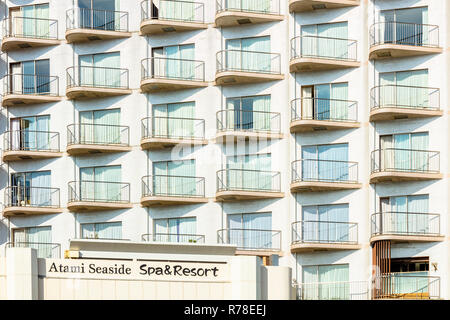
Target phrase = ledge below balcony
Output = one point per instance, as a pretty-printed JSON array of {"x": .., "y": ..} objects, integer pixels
[
  {"x": 230, "y": 18},
  {"x": 82, "y": 93},
  {"x": 163, "y": 84},
  {"x": 391, "y": 50},
  {"x": 402, "y": 238},
  {"x": 18, "y": 155},
  {"x": 87, "y": 35},
  {"x": 238, "y": 195},
  {"x": 24, "y": 210},
  {"x": 167, "y": 143},
  {"x": 393, "y": 113},
  {"x": 306, "y": 64},
  {"x": 88, "y": 149},
  {"x": 154, "y": 201},
  {"x": 25, "y": 99},
  {"x": 304, "y": 247},
  {"x": 20, "y": 43},
  {"x": 317, "y": 186},
  {"x": 225, "y": 78},
  {"x": 258, "y": 252},
  {"x": 88, "y": 206},
  {"x": 226, "y": 136},
  {"x": 159, "y": 26},
  {"x": 399, "y": 176},
  {"x": 310, "y": 5},
  {"x": 321, "y": 125}
]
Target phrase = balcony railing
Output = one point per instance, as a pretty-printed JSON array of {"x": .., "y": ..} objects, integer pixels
[
  {"x": 34, "y": 28},
  {"x": 98, "y": 134},
  {"x": 410, "y": 97},
  {"x": 307, "y": 46},
  {"x": 30, "y": 84},
  {"x": 44, "y": 250},
  {"x": 345, "y": 290},
  {"x": 406, "y": 285},
  {"x": 251, "y": 239},
  {"x": 248, "y": 180},
  {"x": 324, "y": 110},
  {"x": 324, "y": 171},
  {"x": 99, "y": 191},
  {"x": 325, "y": 232},
  {"x": 248, "y": 61},
  {"x": 405, "y": 160},
  {"x": 173, "y": 237},
  {"x": 97, "y": 77},
  {"x": 253, "y": 121},
  {"x": 405, "y": 224},
  {"x": 255, "y": 6},
  {"x": 173, "y": 128},
  {"x": 173, "y": 186},
  {"x": 401, "y": 33},
  {"x": 27, "y": 140},
  {"x": 175, "y": 69},
  {"x": 173, "y": 10},
  {"x": 105, "y": 20},
  {"x": 34, "y": 197}
]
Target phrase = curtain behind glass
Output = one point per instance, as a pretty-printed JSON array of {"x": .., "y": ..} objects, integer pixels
[{"x": 40, "y": 239}]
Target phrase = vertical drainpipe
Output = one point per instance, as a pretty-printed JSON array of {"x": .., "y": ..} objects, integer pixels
[
  {"x": 148, "y": 114},
  {"x": 74, "y": 104},
  {"x": 223, "y": 145}
]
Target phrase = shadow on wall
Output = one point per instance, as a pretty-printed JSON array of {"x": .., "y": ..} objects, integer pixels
[{"x": 3, "y": 232}]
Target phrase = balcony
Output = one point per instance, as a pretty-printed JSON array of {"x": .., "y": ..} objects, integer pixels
[
  {"x": 167, "y": 74},
  {"x": 24, "y": 32},
  {"x": 236, "y": 13},
  {"x": 397, "y": 165},
  {"x": 86, "y": 82},
  {"x": 27, "y": 144},
  {"x": 310, "y": 5},
  {"x": 20, "y": 200},
  {"x": 85, "y": 25},
  {"x": 87, "y": 196},
  {"x": 251, "y": 241},
  {"x": 174, "y": 238},
  {"x": 167, "y": 190},
  {"x": 399, "y": 39},
  {"x": 25, "y": 89},
  {"x": 172, "y": 16},
  {"x": 342, "y": 290},
  {"x": 312, "y": 175},
  {"x": 239, "y": 184},
  {"x": 406, "y": 227},
  {"x": 310, "y": 236},
  {"x": 234, "y": 125},
  {"x": 44, "y": 250},
  {"x": 241, "y": 67},
  {"x": 313, "y": 53},
  {"x": 88, "y": 139},
  {"x": 406, "y": 285},
  {"x": 391, "y": 102},
  {"x": 317, "y": 114},
  {"x": 167, "y": 132}
]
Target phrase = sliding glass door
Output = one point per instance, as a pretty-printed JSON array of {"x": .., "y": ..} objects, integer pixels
[
  {"x": 325, "y": 162},
  {"x": 101, "y": 184},
  {"x": 250, "y": 231},
  {"x": 100, "y": 127},
  {"x": 31, "y": 189},
  {"x": 174, "y": 178}
]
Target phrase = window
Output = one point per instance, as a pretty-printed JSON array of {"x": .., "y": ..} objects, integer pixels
[
  {"x": 405, "y": 26},
  {"x": 174, "y": 178},
  {"x": 325, "y": 223},
  {"x": 250, "y": 231},
  {"x": 249, "y": 54},
  {"x": 249, "y": 113},
  {"x": 250, "y": 172},
  {"x": 31, "y": 189},
  {"x": 325, "y": 162},
  {"x": 30, "y": 21},
  {"x": 100, "y": 70},
  {"x": 175, "y": 10},
  {"x": 99, "y": 14},
  {"x": 107, "y": 230},
  {"x": 326, "y": 282},
  {"x": 410, "y": 275},
  {"x": 38, "y": 238},
  {"x": 175, "y": 62},
  {"x": 100, "y": 127},
  {"x": 325, "y": 101},
  {"x": 30, "y": 133},
  {"x": 175, "y": 230},
  {"x": 175, "y": 120},
  {"x": 261, "y": 6},
  {"x": 329, "y": 40},
  {"x": 101, "y": 184},
  {"x": 30, "y": 77}
]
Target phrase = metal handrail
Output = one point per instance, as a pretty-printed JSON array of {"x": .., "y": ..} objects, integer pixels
[
  {"x": 324, "y": 232},
  {"x": 91, "y": 134},
  {"x": 330, "y": 171},
  {"x": 157, "y": 67},
  {"x": 339, "y": 290},
  {"x": 173, "y": 127},
  {"x": 99, "y": 191},
  {"x": 53, "y": 247},
  {"x": 405, "y": 160},
  {"x": 35, "y": 197},
  {"x": 173, "y": 186},
  {"x": 250, "y": 239},
  {"x": 262, "y": 62},
  {"x": 32, "y": 84},
  {"x": 14, "y": 27},
  {"x": 405, "y": 223},
  {"x": 84, "y": 18},
  {"x": 198, "y": 9},
  {"x": 412, "y": 97},
  {"x": 173, "y": 237},
  {"x": 224, "y": 5},
  {"x": 248, "y": 180},
  {"x": 86, "y": 76},
  {"x": 389, "y": 286},
  {"x": 324, "y": 47},
  {"x": 30, "y": 140},
  {"x": 267, "y": 121},
  {"x": 324, "y": 109}
]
